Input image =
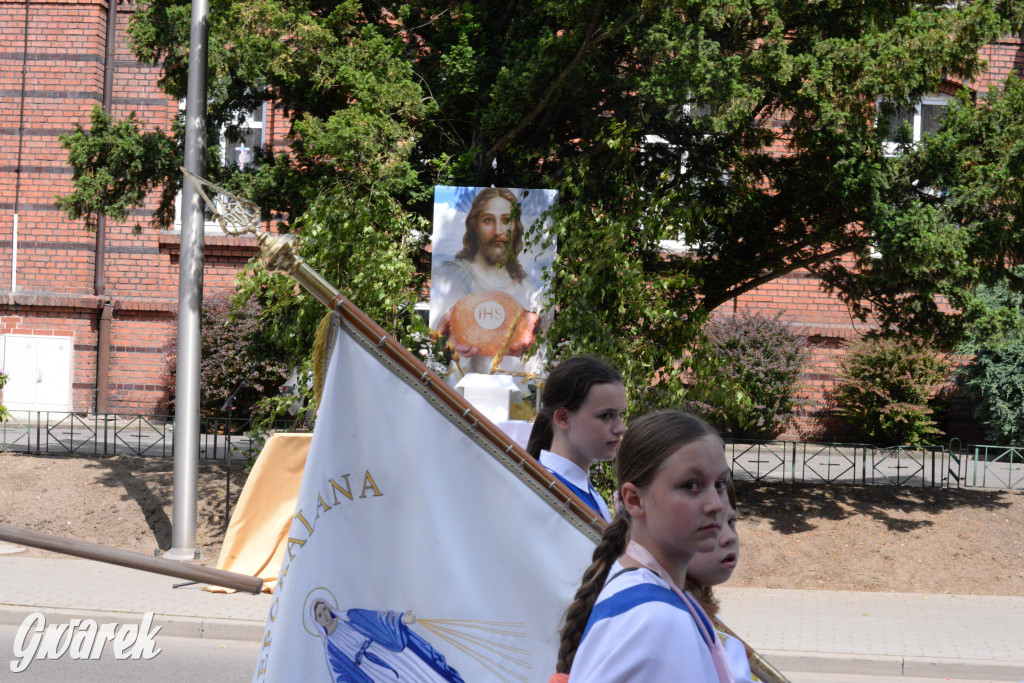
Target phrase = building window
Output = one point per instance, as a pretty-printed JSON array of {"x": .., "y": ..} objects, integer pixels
[
  {"x": 695, "y": 110},
  {"x": 921, "y": 119},
  {"x": 238, "y": 147}
]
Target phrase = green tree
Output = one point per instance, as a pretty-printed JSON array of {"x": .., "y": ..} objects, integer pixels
[
  {"x": 951, "y": 229},
  {"x": 996, "y": 382},
  {"x": 746, "y": 129},
  {"x": 994, "y": 377}
]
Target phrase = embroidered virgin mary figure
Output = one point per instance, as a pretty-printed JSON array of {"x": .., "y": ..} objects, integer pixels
[{"x": 364, "y": 646}]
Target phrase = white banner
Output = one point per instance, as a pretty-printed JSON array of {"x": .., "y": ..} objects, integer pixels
[{"x": 418, "y": 551}]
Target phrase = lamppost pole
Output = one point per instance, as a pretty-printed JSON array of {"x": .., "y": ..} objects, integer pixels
[{"x": 190, "y": 298}]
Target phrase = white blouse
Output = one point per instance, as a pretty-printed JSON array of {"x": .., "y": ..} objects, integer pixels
[
  {"x": 651, "y": 642},
  {"x": 738, "y": 662},
  {"x": 575, "y": 475}
]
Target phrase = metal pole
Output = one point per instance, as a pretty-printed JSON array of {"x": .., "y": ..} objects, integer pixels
[{"x": 190, "y": 298}]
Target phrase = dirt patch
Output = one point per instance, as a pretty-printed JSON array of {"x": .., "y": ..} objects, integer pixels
[
  {"x": 881, "y": 538},
  {"x": 870, "y": 538},
  {"x": 122, "y": 501}
]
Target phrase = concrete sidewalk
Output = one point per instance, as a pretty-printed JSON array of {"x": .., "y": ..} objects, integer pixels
[
  {"x": 884, "y": 634},
  {"x": 62, "y": 587}
]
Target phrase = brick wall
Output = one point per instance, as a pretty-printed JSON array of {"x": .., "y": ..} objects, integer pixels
[{"x": 55, "y": 290}]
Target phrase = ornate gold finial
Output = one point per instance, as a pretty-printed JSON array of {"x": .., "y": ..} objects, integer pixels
[
  {"x": 279, "y": 253},
  {"x": 236, "y": 215}
]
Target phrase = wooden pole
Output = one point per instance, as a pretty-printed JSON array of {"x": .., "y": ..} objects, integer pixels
[
  {"x": 279, "y": 253},
  {"x": 132, "y": 560}
]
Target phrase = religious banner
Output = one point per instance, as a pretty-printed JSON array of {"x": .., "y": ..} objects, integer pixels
[
  {"x": 419, "y": 550},
  {"x": 487, "y": 293}
]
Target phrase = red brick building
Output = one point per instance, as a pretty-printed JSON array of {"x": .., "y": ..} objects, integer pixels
[
  {"x": 71, "y": 303},
  {"x": 59, "y": 284},
  {"x": 825, "y": 320}
]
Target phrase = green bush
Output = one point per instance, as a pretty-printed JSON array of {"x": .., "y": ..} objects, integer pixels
[
  {"x": 995, "y": 380},
  {"x": 234, "y": 356},
  {"x": 761, "y": 358},
  {"x": 3, "y": 382},
  {"x": 885, "y": 388}
]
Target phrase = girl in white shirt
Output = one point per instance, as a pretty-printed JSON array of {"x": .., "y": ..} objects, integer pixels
[
  {"x": 630, "y": 620},
  {"x": 579, "y": 422},
  {"x": 715, "y": 567}
]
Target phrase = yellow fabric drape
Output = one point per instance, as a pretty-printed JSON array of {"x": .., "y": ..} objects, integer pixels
[{"x": 255, "y": 540}]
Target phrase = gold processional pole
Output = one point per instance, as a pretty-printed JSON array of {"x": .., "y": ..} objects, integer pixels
[
  {"x": 132, "y": 560},
  {"x": 280, "y": 254}
]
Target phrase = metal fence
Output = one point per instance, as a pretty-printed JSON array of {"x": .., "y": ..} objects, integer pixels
[
  {"x": 227, "y": 438},
  {"x": 60, "y": 433},
  {"x": 952, "y": 466}
]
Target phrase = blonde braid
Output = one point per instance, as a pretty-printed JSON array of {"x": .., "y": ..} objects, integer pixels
[
  {"x": 611, "y": 546},
  {"x": 704, "y": 595}
]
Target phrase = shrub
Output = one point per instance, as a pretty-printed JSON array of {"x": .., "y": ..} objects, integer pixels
[
  {"x": 884, "y": 390},
  {"x": 233, "y": 353},
  {"x": 3, "y": 409},
  {"x": 759, "y": 359},
  {"x": 995, "y": 380}
]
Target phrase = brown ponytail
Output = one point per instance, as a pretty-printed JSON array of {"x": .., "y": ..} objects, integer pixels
[
  {"x": 704, "y": 595},
  {"x": 541, "y": 435},
  {"x": 611, "y": 546}
]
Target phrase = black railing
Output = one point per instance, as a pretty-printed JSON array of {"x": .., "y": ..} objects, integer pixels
[
  {"x": 230, "y": 439},
  {"x": 950, "y": 466},
  {"x": 60, "y": 433}
]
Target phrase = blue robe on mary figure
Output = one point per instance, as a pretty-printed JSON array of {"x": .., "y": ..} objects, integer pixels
[{"x": 384, "y": 628}]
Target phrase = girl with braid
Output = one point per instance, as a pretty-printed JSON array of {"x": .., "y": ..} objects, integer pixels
[
  {"x": 579, "y": 423},
  {"x": 630, "y": 620}
]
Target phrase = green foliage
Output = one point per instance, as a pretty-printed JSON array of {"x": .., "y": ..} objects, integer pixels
[
  {"x": 762, "y": 357},
  {"x": 653, "y": 120},
  {"x": 884, "y": 390},
  {"x": 4, "y": 377},
  {"x": 236, "y": 359},
  {"x": 951, "y": 225},
  {"x": 995, "y": 379},
  {"x": 115, "y": 165},
  {"x": 610, "y": 300},
  {"x": 999, "y": 319},
  {"x": 364, "y": 245}
]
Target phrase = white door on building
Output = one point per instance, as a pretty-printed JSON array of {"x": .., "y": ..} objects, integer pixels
[{"x": 39, "y": 369}]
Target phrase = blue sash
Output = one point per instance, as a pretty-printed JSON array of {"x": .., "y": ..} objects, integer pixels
[
  {"x": 585, "y": 496},
  {"x": 628, "y": 598}
]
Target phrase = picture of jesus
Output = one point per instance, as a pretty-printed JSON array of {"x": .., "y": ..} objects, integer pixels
[{"x": 491, "y": 258}]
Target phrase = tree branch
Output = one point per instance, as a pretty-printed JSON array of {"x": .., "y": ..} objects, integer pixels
[
  {"x": 711, "y": 303},
  {"x": 542, "y": 103}
]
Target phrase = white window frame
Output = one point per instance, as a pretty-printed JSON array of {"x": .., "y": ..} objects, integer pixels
[
  {"x": 890, "y": 147},
  {"x": 680, "y": 246},
  {"x": 251, "y": 123}
]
